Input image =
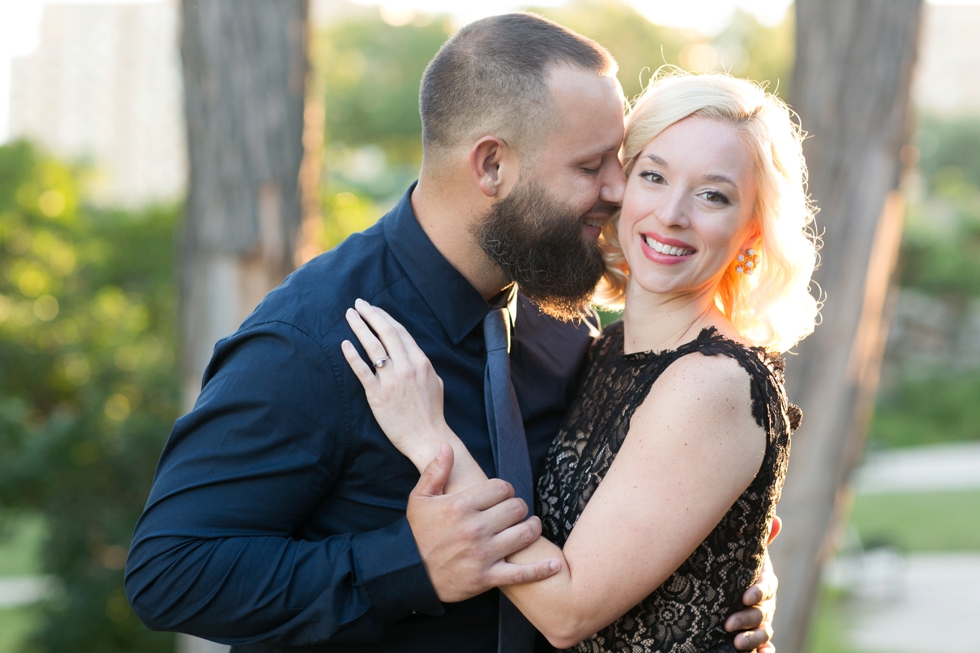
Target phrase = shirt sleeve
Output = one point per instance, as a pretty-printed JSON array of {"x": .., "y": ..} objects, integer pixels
[{"x": 216, "y": 552}]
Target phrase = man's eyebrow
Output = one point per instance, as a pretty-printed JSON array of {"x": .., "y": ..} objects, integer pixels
[{"x": 600, "y": 151}]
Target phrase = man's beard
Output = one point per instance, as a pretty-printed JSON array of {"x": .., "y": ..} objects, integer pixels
[{"x": 538, "y": 242}]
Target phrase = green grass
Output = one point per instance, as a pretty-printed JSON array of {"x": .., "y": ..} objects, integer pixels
[
  {"x": 20, "y": 544},
  {"x": 831, "y": 621},
  {"x": 916, "y": 523},
  {"x": 15, "y": 625}
]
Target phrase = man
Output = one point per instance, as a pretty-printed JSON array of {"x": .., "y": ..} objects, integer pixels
[{"x": 280, "y": 518}]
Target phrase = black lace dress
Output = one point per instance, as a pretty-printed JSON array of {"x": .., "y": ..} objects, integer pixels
[{"x": 687, "y": 613}]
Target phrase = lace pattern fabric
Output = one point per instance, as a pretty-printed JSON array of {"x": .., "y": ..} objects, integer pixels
[{"x": 686, "y": 614}]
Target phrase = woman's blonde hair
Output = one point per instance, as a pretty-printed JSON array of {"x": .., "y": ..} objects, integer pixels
[{"x": 773, "y": 307}]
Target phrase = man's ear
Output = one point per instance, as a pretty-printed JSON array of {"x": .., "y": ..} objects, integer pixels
[{"x": 490, "y": 162}]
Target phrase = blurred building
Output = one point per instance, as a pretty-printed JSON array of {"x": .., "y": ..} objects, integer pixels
[
  {"x": 105, "y": 85},
  {"x": 946, "y": 80}
]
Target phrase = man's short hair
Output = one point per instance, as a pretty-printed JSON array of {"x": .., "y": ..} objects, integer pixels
[{"x": 491, "y": 77}]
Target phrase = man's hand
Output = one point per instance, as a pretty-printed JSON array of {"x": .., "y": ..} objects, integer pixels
[
  {"x": 463, "y": 538},
  {"x": 756, "y": 620}
]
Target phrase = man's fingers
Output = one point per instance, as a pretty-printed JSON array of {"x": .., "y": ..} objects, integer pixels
[
  {"x": 506, "y": 573},
  {"x": 436, "y": 473},
  {"x": 764, "y": 588},
  {"x": 504, "y": 514},
  {"x": 752, "y": 639},
  {"x": 775, "y": 527},
  {"x": 515, "y": 538},
  {"x": 485, "y": 495},
  {"x": 748, "y": 619}
]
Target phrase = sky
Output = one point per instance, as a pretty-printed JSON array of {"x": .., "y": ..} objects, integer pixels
[{"x": 20, "y": 20}]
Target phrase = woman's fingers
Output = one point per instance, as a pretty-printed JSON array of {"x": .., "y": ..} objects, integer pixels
[
  {"x": 357, "y": 364},
  {"x": 403, "y": 333},
  {"x": 372, "y": 346},
  {"x": 390, "y": 337}
]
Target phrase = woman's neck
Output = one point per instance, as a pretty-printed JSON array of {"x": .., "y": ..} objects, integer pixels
[{"x": 655, "y": 322}]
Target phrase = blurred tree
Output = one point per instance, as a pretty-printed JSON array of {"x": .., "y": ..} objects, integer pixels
[
  {"x": 245, "y": 68},
  {"x": 852, "y": 76},
  {"x": 87, "y": 390}
]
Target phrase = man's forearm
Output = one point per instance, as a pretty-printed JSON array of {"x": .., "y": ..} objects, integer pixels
[{"x": 241, "y": 590}]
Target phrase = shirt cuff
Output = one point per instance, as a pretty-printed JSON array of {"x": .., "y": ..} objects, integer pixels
[{"x": 390, "y": 568}]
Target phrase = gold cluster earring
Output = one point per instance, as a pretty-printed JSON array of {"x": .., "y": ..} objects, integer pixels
[{"x": 746, "y": 262}]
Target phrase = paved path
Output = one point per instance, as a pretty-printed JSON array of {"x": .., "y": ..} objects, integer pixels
[
  {"x": 937, "y": 611},
  {"x": 938, "y": 468}
]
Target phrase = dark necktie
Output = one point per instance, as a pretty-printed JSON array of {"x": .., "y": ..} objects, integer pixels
[{"x": 515, "y": 633}]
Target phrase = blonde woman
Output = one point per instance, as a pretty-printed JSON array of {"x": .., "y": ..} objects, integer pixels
[{"x": 659, "y": 491}]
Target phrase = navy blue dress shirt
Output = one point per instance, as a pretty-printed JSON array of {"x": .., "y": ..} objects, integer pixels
[{"x": 276, "y": 520}]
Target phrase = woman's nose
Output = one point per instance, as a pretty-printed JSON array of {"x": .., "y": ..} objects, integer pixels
[{"x": 673, "y": 211}]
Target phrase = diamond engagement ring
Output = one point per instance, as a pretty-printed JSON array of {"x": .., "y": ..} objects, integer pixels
[{"x": 381, "y": 362}]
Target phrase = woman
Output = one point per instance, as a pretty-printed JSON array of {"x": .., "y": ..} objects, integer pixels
[{"x": 658, "y": 492}]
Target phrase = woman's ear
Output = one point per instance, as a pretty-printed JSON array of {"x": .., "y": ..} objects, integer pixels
[{"x": 490, "y": 160}]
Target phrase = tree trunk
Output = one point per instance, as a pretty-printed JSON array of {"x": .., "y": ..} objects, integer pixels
[
  {"x": 245, "y": 68},
  {"x": 852, "y": 79}
]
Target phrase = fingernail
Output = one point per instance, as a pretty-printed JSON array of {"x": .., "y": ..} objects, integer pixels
[
  {"x": 359, "y": 301},
  {"x": 554, "y": 565}
]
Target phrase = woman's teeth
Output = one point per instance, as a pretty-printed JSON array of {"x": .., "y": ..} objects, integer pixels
[{"x": 657, "y": 246}]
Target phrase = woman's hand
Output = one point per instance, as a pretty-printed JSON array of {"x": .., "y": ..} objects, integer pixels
[{"x": 404, "y": 391}]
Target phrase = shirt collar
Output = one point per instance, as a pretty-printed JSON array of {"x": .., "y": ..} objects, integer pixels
[{"x": 455, "y": 302}]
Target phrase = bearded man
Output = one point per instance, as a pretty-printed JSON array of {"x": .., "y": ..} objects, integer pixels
[{"x": 280, "y": 518}]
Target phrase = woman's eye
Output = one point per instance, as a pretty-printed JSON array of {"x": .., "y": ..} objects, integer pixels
[
  {"x": 715, "y": 197},
  {"x": 590, "y": 171},
  {"x": 653, "y": 177}
]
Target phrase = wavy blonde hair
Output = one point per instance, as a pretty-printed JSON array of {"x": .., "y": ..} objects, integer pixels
[{"x": 773, "y": 307}]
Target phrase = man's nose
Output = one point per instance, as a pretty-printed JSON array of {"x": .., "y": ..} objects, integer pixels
[{"x": 613, "y": 184}]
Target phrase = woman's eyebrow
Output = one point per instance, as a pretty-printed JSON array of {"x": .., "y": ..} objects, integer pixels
[
  {"x": 656, "y": 159},
  {"x": 721, "y": 179}
]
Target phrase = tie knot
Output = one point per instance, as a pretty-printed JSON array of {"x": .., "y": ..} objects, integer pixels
[{"x": 496, "y": 329}]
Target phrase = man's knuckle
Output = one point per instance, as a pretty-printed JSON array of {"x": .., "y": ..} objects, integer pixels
[
  {"x": 527, "y": 534},
  {"x": 499, "y": 486}
]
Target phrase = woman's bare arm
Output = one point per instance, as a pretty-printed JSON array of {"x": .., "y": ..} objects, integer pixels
[{"x": 692, "y": 449}]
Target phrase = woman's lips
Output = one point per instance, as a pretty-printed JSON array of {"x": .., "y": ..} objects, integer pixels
[{"x": 665, "y": 250}]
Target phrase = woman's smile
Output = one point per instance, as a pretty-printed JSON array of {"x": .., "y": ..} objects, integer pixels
[{"x": 668, "y": 251}]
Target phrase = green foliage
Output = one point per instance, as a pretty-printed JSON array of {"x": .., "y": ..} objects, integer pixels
[
  {"x": 16, "y": 625},
  {"x": 941, "y": 252},
  {"x": 88, "y": 391},
  {"x": 929, "y": 409},
  {"x": 745, "y": 48},
  {"x": 370, "y": 71},
  {"x": 950, "y": 144},
  {"x": 639, "y": 46},
  {"x": 21, "y": 540}
]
